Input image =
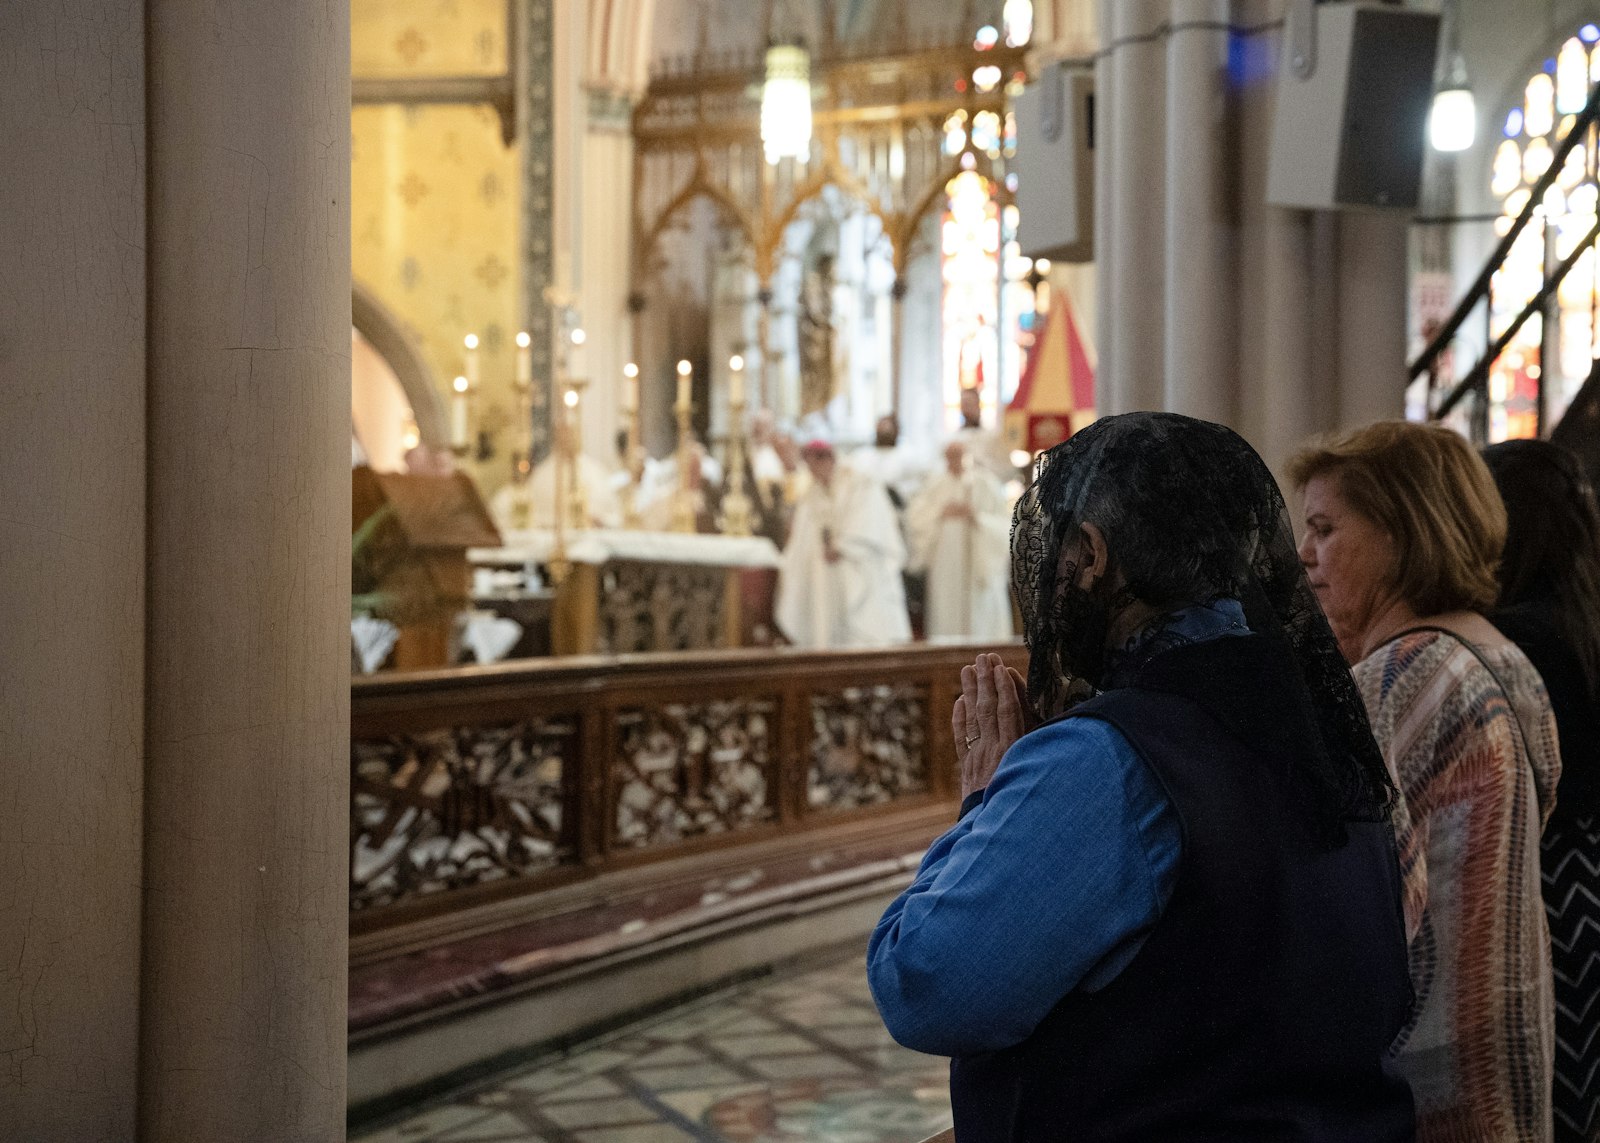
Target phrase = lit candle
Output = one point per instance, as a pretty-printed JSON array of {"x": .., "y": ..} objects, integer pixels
[
  {"x": 459, "y": 429},
  {"x": 524, "y": 359},
  {"x": 575, "y": 357},
  {"x": 630, "y": 388},
  {"x": 685, "y": 371},
  {"x": 471, "y": 342},
  {"x": 736, "y": 380}
]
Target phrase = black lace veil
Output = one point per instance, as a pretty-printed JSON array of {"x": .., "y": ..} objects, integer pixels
[{"x": 1190, "y": 514}]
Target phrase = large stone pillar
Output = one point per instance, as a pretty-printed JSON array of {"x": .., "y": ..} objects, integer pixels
[
  {"x": 606, "y": 247},
  {"x": 243, "y": 1001},
  {"x": 1281, "y": 323},
  {"x": 72, "y": 313}
]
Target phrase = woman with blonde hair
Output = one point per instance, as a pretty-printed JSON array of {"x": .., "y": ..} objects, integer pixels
[{"x": 1404, "y": 531}]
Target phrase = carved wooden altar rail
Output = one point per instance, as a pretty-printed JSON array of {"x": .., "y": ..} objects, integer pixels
[{"x": 476, "y": 787}]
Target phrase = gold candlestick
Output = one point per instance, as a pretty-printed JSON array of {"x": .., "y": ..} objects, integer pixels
[
  {"x": 736, "y": 505},
  {"x": 683, "y": 514},
  {"x": 632, "y": 449},
  {"x": 576, "y": 503}
]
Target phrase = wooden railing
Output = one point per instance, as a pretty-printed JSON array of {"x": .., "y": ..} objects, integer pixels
[{"x": 476, "y": 786}]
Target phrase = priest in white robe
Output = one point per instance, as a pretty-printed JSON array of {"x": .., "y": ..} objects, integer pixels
[
  {"x": 531, "y": 503},
  {"x": 839, "y": 584},
  {"x": 960, "y": 532}
]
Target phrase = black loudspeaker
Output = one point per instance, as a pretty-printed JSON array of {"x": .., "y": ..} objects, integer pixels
[
  {"x": 1354, "y": 89},
  {"x": 1054, "y": 165}
]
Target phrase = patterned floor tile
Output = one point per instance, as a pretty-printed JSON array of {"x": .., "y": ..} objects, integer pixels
[
  {"x": 858, "y": 1036},
  {"x": 802, "y": 1057},
  {"x": 671, "y": 1054},
  {"x": 430, "y": 1125},
  {"x": 502, "y": 1128},
  {"x": 749, "y": 1047},
  {"x": 599, "y": 1112},
  {"x": 654, "y": 1133},
  {"x": 804, "y": 1067},
  {"x": 597, "y": 1088},
  {"x": 685, "y": 1076}
]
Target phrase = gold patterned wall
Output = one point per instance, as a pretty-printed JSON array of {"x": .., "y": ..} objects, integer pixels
[
  {"x": 390, "y": 39},
  {"x": 436, "y": 199}
]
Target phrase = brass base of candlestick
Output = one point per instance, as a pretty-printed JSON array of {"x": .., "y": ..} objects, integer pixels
[
  {"x": 683, "y": 506},
  {"x": 736, "y": 506}
]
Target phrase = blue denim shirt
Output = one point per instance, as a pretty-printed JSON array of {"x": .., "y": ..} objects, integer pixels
[{"x": 1051, "y": 881}]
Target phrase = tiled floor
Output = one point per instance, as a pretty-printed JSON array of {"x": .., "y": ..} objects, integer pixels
[{"x": 799, "y": 1057}]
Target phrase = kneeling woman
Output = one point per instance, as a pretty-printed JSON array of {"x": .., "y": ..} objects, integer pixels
[{"x": 1172, "y": 911}]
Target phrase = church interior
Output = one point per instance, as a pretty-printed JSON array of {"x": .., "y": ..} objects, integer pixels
[{"x": 693, "y": 354}]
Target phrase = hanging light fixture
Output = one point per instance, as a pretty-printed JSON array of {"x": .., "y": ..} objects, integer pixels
[
  {"x": 786, "y": 103},
  {"x": 1453, "y": 119}
]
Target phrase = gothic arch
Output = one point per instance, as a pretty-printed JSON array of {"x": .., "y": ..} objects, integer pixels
[{"x": 375, "y": 322}]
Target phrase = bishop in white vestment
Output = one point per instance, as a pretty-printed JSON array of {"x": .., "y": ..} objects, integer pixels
[
  {"x": 839, "y": 584},
  {"x": 960, "y": 530}
]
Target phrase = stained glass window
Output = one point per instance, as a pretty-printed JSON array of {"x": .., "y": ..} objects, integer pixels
[
  {"x": 1017, "y": 16},
  {"x": 1534, "y": 130},
  {"x": 970, "y": 245}
]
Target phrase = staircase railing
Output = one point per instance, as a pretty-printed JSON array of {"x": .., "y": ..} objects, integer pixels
[{"x": 1476, "y": 381}]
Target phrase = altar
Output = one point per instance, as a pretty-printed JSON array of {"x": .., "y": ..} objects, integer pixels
[{"x": 624, "y": 592}]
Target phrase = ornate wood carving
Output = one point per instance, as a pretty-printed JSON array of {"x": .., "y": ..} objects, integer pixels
[
  {"x": 444, "y": 809},
  {"x": 661, "y": 607},
  {"x": 688, "y": 770},
  {"x": 868, "y": 745},
  {"x": 476, "y": 788}
]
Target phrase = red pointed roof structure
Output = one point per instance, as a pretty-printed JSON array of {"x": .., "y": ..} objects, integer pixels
[{"x": 1055, "y": 397}]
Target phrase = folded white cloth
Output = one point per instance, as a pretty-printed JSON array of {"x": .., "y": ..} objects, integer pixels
[
  {"x": 489, "y": 636},
  {"x": 373, "y": 640}
]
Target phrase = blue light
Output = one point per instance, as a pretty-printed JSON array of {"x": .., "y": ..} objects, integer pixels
[
  {"x": 1589, "y": 33},
  {"x": 1550, "y": 66},
  {"x": 1514, "y": 123}
]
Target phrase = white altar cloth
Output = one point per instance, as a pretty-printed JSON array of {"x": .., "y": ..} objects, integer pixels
[{"x": 600, "y": 546}]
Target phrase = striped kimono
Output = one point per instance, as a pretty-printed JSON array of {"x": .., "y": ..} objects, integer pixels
[{"x": 1477, "y": 767}]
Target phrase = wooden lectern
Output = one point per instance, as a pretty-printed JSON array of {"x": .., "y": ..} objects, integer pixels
[{"x": 420, "y": 554}]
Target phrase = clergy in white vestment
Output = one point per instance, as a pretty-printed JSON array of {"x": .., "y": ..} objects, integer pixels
[
  {"x": 891, "y": 465},
  {"x": 531, "y": 503},
  {"x": 960, "y": 531},
  {"x": 839, "y": 584},
  {"x": 987, "y": 447}
]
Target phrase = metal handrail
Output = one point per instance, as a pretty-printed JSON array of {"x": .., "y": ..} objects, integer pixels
[
  {"x": 1479, "y": 289},
  {"x": 1479, "y": 374}
]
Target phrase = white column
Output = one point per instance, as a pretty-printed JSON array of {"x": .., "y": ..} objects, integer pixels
[
  {"x": 72, "y": 318},
  {"x": 1201, "y": 226},
  {"x": 607, "y": 190},
  {"x": 1280, "y": 323},
  {"x": 247, "y": 744},
  {"x": 1133, "y": 365},
  {"x": 1372, "y": 326}
]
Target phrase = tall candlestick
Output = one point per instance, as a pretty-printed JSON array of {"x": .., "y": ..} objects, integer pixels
[
  {"x": 736, "y": 380},
  {"x": 630, "y": 388},
  {"x": 460, "y": 429},
  {"x": 575, "y": 355},
  {"x": 685, "y": 380},
  {"x": 471, "y": 370},
  {"x": 524, "y": 359},
  {"x": 633, "y": 461}
]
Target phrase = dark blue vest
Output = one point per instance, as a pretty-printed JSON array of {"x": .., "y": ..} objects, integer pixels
[{"x": 1263, "y": 1003}]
